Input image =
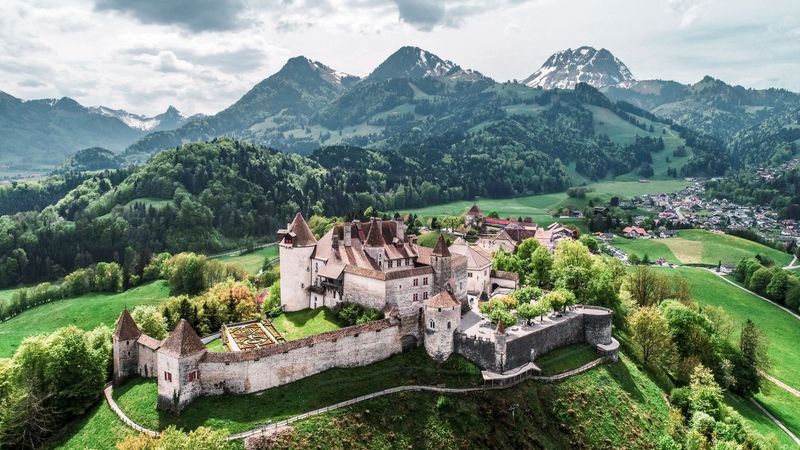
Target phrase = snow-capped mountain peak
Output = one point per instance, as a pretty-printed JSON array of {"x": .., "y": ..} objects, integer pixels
[
  {"x": 567, "y": 68},
  {"x": 144, "y": 123}
]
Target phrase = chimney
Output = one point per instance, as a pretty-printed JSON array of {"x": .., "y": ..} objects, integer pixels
[
  {"x": 347, "y": 232},
  {"x": 401, "y": 228}
]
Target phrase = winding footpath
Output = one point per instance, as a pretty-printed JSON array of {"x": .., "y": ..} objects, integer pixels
[{"x": 269, "y": 428}]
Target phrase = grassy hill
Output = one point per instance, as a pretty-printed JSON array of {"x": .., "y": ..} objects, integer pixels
[
  {"x": 539, "y": 206},
  {"x": 700, "y": 247},
  {"x": 781, "y": 330},
  {"x": 87, "y": 311},
  {"x": 252, "y": 261},
  {"x": 609, "y": 406}
]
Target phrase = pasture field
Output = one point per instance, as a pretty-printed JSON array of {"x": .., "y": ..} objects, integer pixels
[
  {"x": 86, "y": 312},
  {"x": 539, "y": 207},
  {"x": 700, "y": 247},
  {"x": 781, "y": 329},
  {"x": 252, "y": 262}
]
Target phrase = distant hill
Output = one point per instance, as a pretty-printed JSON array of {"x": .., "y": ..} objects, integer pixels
[
  {"x": 90, "y": 159},
  {"x": 39, "y": 134}
]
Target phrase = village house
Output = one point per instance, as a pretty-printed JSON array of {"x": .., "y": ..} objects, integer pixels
[
  {"x": 513, "y": 233},
  {"x": 636, "y": 233}
]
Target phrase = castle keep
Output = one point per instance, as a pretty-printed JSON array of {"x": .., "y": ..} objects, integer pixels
[{"x": 423, "y": 293}]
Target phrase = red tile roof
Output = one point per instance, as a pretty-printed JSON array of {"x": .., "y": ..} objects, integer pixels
[
  {"x": 183, "y": 341},
  {"x": 126, "y": 327}
]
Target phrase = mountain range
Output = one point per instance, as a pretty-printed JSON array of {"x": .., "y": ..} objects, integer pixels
[
  {"x": 580, "y": 106},
  {"x": 41, "y": 133}
]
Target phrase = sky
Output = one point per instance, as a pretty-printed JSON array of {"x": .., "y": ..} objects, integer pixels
[{"x": 202, "y": 55}]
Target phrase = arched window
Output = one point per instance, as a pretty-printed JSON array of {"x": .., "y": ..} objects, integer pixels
[
  {"x": 433, "y": 324},
  {"x": 448, "y": 325}
]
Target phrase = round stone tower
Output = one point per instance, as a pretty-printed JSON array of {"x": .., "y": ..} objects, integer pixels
[
  {"x": 296, "y": 245},
  {"x": 442, "y": 318}
]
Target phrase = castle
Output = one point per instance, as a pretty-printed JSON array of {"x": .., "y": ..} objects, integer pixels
[{"x": 423, "y": 293}]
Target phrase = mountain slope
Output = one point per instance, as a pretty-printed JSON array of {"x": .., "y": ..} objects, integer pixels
[
  {"x": 289, "y": 96},
  {"x": 710, "y": 105},
  {"x": 412, "y": 62},
  {"x": 567, "y": 68}
]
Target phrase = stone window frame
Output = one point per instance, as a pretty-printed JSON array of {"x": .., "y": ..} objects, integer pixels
[
  {"x": 167, "y": 376},
  {"x": 425, "y": 281}
]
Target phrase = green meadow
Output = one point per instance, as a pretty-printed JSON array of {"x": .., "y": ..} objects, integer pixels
[{"x": 86, "y": 312}]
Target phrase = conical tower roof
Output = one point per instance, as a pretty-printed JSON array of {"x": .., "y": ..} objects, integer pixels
[
  {"x": 375, "y": 235},
  {"x": 441, "y": 247},
  {"x": 302, "y": 233},
  {"x": 474, "y": 211},
  {"x": 183, "y": 341},
  {"x": 126, "y": 327}
]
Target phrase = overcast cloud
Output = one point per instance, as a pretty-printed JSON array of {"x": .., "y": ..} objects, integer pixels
[{"x": 202, "y": 55}]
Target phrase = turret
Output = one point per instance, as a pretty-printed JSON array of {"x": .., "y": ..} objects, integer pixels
[
  {"x": 296, "y": 245},
  {"x": 125, "y": 347},
  {"x": 442, "y": 319},
  {"x": 179, "y": 366}
]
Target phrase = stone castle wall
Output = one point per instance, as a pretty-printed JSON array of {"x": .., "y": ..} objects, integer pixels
[
  {"x": 481, "y": 351},
  {"x": 568, "y": 331},
  {"x": 256, "y": 370},
  {"x": 591, "y": 324},
  {"x": 148, "y": 362}
]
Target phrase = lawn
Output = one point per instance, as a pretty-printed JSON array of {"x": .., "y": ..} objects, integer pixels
[
  {"x": 653, "y": 248},
  {"x": 217, "y": 346},
  {"x": 307, "y": 322},
  {"x": 86, "y": 312},
  {"x": 700, "y": 247},
  {"x": 566, "y": 358},
  {"x": 781, "y": 329},
  {"x": 539, "y": 206},
  {"x": 238, "y": 413},
  {"x": 253, "y": 261}
]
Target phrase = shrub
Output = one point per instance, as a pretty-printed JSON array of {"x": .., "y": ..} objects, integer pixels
[{"x": 349, "y": 314}]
